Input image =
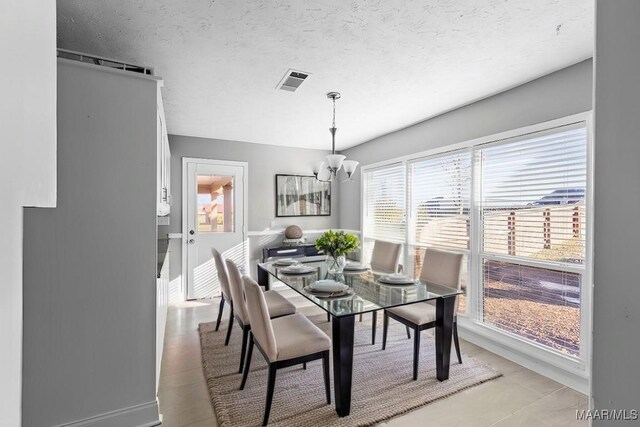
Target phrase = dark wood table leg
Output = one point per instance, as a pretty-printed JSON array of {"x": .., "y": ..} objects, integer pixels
[
  {"x": 444, "y": 327},
  {"x": 263, "y": 278},
  {"x": 342, "y": 341}
]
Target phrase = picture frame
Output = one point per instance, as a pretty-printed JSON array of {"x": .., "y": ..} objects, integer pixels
[{"x": 302, "y": 195}]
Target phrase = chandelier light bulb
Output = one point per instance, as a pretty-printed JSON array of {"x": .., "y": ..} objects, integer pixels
[
  {"x": 350, "y": 167},
  {"x": 324, "y": 175},
  {"x": 335, "y": 161},
  {"x": 317, "y": 167}
]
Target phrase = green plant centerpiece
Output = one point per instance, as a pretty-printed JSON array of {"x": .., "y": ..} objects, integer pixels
[{"x": 337, "y": 244}]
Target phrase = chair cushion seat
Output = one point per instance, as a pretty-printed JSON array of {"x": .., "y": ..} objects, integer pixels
[
  {"x": 278, "y": 305},
  {"x": 297, "y": 336},
  {"x": 419, "y": 313}
]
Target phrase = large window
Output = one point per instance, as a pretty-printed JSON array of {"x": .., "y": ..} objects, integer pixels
[
  {"x": 532, "y": 209},
  {"x": 384, "y": 209},
  {"x": 516, "y": 208},
  {"x": 439, "y": 201}
]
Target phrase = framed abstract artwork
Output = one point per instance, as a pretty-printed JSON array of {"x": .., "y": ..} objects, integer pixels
[{"x": 301, "y": 195}]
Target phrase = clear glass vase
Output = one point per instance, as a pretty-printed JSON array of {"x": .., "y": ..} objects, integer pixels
[{"x": 336, "y": 263}]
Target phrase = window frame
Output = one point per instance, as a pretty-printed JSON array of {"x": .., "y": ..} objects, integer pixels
[{"x": 571, "y": 370}]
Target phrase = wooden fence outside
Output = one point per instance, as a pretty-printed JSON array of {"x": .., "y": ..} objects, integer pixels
[{"x": 536, "y": 232}]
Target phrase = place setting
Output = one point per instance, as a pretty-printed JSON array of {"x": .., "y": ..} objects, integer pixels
[
  {"x": 352, "y": 267},
  {"x": 298, "y": 269},
  {"x": 283, "y": 262},
  {"x": 396, "y": 279},
  {"x": 328, "y": 288}
]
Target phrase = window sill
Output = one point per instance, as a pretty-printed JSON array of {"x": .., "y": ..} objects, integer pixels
[{"x": 566, "y": 370}]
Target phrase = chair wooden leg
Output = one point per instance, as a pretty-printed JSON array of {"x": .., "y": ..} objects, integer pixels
[
  {"x": 325, "y": 371},
  {"x": 416, "y": 353},
  {"x": 408, "y": 332},
  {"x": 248, "y": 363},
  {"x": 220, "y": 313},
  {"x": 243, "y": 349},
  {"x": 304, "y": 365},
  {"x": 226, "y": 341},
  {"x": 385, "y": 326},
  {"x": 361, "y": 317},
  {"x": 328, "y": 317},
  {"x": 374, "y": 321},
  {"x": 271, "y": 382},
  {"x": 456, "y": 342}
]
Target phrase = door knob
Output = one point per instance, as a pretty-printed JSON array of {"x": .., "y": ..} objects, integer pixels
[
  {"x": 192, "y": 232},
  {"x": 191, "y": 241}
]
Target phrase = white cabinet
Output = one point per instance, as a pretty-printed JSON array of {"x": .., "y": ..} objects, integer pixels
[{"x": 164, "y": 161}]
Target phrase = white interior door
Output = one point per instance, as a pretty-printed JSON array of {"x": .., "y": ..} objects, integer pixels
[{"x": 214, "y": 216}]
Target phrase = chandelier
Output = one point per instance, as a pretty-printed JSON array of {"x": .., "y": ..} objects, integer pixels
[{"x": 326, "y": 171}]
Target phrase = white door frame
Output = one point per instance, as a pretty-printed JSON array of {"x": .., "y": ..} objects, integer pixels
[{"x": 185, "y": 197}]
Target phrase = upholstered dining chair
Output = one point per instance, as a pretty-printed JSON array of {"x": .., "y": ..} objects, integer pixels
[
  {"x": 285, "y": 341},
  {"x": 439, "y": 267},
  {"x": 277, "y": 306},
  {"x": 385, "y": 258},
  {"x": 223, "y": 279}
]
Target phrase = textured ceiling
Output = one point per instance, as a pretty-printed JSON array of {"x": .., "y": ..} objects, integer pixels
[{"x": 396, "y": 62}]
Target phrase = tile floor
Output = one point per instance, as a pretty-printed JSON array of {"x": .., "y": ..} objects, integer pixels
[{"x": 519, "y": 398}]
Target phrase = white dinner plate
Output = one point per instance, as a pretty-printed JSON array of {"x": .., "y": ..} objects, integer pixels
[
  {"x": 297, "y": 269},
  {"x": 285, "y": 261},
  {"x": 355, "y": 267},
  {"x": 397, "y": 279},
  {"x": 339, "y": 295},
  {"x": 328, "y": 286}
]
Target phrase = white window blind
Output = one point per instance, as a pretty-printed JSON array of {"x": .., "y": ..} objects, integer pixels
[
  {"x": 384, "y": 207},
  {"x": 516, "y": 208},
  {"x": 532, "y": 209},
  {"x": 533, "y": 196},
  {"x": 439, "y": 192}
]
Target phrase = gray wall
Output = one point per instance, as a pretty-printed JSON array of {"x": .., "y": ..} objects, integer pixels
[
  {"x": 90, "y": 263},
  {"x": 556, "y": 95},
  {"x": 615, "y": 377},
  {"x": 265, "y": 161}
]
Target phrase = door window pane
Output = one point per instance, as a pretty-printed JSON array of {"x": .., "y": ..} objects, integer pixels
[{"x": 215, "y": 204}]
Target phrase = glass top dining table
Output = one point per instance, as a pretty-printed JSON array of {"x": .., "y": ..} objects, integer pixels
[{"x": 366, "y": 293}]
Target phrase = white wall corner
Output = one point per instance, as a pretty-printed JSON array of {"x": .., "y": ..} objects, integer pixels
[{"x": 27, "y": 166}]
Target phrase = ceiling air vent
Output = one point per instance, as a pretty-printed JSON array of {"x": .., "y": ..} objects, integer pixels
[{"x": 292, "y": 80}]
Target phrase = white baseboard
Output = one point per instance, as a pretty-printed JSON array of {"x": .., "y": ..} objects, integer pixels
[{"x": 144, "y": 415}]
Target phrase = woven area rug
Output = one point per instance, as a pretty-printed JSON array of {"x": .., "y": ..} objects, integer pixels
[{"x": 382, "y": 384}]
